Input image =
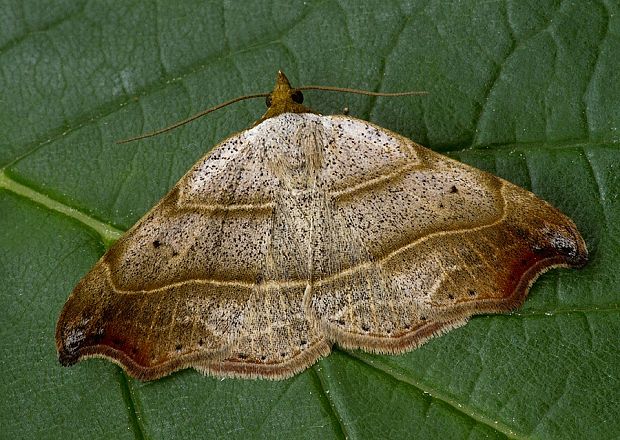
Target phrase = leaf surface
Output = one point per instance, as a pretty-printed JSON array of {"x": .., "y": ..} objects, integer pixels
[{"x": 528, "y": 90}]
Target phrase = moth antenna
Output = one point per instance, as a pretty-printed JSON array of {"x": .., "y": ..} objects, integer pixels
[
  {"x": 360, "y": 92},
  {"x": 192, "y": 118}
]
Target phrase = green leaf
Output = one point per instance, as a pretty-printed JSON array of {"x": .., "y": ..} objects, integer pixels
[{"x": 529, "y": 90}]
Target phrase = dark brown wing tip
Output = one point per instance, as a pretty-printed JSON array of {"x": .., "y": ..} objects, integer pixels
[
  {"x": 78, "y": 339},
  {"x": 565, "y": 242},
  {"x": 576, "y": 252},
  {"x": 75, "y": 344},
  {"x": 122, "y": 359},
  {"x": 562, "y": 247},
  {"x": 68, "y": 342},
  {"x": 67, "y": 359}
]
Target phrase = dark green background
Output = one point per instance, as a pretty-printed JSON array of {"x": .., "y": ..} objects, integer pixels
[{"x": 529, "y": 90}]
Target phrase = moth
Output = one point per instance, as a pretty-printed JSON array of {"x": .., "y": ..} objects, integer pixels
[{"x": 306, "y": 231}]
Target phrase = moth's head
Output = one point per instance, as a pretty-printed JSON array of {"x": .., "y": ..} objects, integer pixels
[{"x": 283, "y": 99}]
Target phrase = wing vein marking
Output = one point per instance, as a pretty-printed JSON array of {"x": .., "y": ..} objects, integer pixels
[
  {"x": 482, "y": 257},
  {"x": 173, "y": 317},
  {"x": 465, "y": 265},
  {"x": 153, "y": 320},
  {"x": 283, "y": 305},
  {"x": 270, "y": 317},
  {"x": 443, "y": 273},
  {"x": 405, "y": 247},
  {"x": 372, "y": 303},
  {"x": 248, "y": 321},
  {"x": 415, "y": 242},
  {"x": 299, "y": 283},
  {"x": 385, "y": 287},
  {"x": 212, "y": 207},
  {"x": 376, "y": 181},
  {"x": 192, "y": 334},
  {"x": 217, "y": 283}
]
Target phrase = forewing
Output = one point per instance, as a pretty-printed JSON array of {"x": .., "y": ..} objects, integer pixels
[
  {"x": 213, "y": 277},
  {"x": 430, "y": 242}
]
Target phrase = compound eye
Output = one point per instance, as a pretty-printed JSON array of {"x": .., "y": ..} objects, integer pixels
[
  {"x": 297, "y": 96},
  {"x": 268, "y": 100}
]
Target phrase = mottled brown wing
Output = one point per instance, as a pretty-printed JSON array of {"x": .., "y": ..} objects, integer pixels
[
  {"x": 436, "y": 241},
  {"x": 212, "y": 277},
  {"x": 303, "y": 231}
]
